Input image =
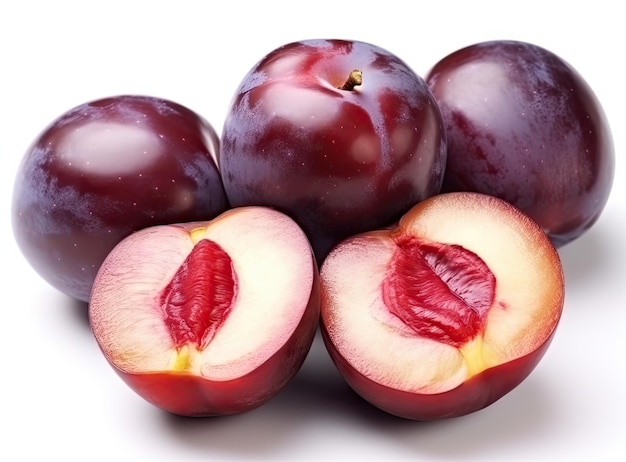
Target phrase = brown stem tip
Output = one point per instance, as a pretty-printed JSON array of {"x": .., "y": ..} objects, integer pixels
[{"x": 354, "y": 79}]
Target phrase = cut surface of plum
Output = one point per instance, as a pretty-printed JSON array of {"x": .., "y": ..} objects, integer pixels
[{"x": 462, "y": 286}]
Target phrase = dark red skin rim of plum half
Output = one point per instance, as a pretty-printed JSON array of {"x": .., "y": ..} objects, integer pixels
[{"x": 473, "y": 395}]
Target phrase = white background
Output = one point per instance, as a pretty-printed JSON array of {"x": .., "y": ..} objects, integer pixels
[{"x": 59, "y": 397}]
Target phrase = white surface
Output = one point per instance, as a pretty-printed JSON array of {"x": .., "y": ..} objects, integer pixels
[{"x": 60, "y": 398}]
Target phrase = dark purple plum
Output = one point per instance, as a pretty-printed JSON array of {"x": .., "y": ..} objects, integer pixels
[
  {"x": 341, "y": 135},
  {"x": 523, "y": 125},
  {"x": 105, "y": 169}
]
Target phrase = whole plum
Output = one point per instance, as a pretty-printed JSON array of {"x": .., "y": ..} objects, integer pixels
[
  {"x": 341, "y": 135},
  {"x": 523, "y": 125},
  {"x": 103, "y": 170}
]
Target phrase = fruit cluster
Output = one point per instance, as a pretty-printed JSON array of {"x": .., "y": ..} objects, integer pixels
[{"x": 414, "y": 221}]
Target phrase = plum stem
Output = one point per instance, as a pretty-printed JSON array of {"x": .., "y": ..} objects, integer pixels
[{"x": 354, "y": 79}]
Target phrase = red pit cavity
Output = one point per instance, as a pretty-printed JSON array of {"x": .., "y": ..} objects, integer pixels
[
  {"x": 200, "y": 295},
  {"x": 442, "y": 292}
]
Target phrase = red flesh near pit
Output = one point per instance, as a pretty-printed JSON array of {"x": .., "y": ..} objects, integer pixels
[
  {"x": 442, "y": 292},
  {"x": 199, "y": 297}
]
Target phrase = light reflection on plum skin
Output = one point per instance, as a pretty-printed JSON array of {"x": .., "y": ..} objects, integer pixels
[
  {"x": 103, "y": 170},
  {"x": 295, "y": 141},
  {"x": 524, "y": 126}
]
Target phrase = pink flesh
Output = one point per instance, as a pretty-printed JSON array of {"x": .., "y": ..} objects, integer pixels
[
  {"x": 441, "y": 291},
  {"x": 199, "y": 297}
]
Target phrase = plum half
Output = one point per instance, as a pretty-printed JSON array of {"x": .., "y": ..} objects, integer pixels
[
  {"x": 446, "y": 312},
  {"x": 209, "y": 318}
]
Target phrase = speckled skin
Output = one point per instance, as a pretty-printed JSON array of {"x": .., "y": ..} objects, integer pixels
[{"x": 103, "y": 170}]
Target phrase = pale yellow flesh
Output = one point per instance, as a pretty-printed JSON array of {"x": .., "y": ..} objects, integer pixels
[{"x": 275, "y": 273}]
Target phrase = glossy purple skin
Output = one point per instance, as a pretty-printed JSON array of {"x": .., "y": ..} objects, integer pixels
[
  {"x": 103, "y": 170},
  {"x": 337, "y": 161},
  {"x": 524, "y": 126}
]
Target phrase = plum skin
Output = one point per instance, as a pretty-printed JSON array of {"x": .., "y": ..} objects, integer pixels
[
  {"x": 523, "y": 125},
  {"x": 107, "y": 168},
  {"x": 337, "y": 161}
]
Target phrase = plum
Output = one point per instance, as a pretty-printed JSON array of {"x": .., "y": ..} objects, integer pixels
[
  {"x": 445, "y": 312},
  {"x": 341, "y": 135},
  {"x": 523, "y": 125},
  {"x": 209, "y": 318},
  {"x": 107, "y": 168}
]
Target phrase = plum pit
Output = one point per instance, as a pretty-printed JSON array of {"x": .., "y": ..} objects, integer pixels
[
  {"x": 198, "y": 299},
  {"x": 442, "y": 292}
]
